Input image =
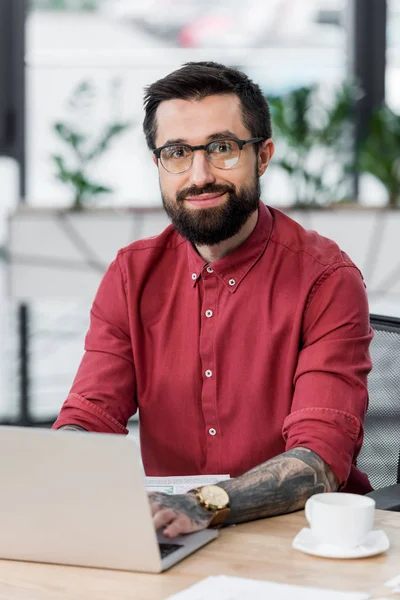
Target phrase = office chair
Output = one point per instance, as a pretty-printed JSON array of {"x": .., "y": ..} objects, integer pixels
[{"x": 380, "y": 453}]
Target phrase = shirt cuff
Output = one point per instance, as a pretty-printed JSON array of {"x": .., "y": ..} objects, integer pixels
[
  {"x": 77, "y": 410},
  {"x": 334, "y": 435}
]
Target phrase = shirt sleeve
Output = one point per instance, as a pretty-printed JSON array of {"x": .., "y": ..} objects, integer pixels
[
  {"x": 330, "y": 384},
  {"x": 102, "y": 397}
]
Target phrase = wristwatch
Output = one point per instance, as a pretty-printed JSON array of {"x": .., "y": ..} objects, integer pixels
[{"x": 216, "y": 500}]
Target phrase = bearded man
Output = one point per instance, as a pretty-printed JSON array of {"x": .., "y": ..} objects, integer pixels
[{"x": 241, "y": 338}]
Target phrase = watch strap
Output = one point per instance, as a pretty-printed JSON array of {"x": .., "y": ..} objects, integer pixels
[{"x": 219, "y": 517}]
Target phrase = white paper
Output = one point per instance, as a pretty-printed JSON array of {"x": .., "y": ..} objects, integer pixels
[
  {"x": 181, "y": 485},
  {"x": 223, "y": 587},
  {"x": 394, "y": 582}
]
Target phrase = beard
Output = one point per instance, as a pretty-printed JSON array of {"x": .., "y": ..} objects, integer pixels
[{"x": 210, "y": 226}]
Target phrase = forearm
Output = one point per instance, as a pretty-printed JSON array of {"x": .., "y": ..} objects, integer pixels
[
  {"x": 73, "y": 428},
  {"x": 280, "y": 485}
]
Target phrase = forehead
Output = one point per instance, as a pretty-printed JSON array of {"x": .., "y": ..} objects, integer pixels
[{"x": 194, "y": 121}]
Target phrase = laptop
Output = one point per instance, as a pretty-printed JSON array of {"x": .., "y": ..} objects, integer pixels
[{"x": 79, "y": 499}]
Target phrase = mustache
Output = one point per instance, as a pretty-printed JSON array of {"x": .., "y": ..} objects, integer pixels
[{"x": 210, "y": 188}]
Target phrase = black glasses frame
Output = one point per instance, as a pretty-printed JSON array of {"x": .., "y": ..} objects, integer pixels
[{"x": 240, "y": 143}]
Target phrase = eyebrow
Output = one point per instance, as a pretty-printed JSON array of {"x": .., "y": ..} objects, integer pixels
[{"x": 219, "y": 135}]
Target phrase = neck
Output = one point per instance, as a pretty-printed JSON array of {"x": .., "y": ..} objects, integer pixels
[{"x": 217, "y": 251}]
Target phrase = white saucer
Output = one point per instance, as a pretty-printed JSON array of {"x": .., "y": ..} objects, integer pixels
[{"x": 376, "y": 542}]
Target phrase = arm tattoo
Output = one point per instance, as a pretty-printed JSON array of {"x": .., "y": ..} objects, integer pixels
[
  {"x": 280, "y": 485},
  {"x": 184, "y": 503}
]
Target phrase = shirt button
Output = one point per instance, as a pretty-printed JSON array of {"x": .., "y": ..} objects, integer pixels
[
  {"x": 212, "y": 431},
  {"x": 208, "y": 373},
  {"x": 231, "y": 282},
  {"x": 209, "y": 270},
  {"x": 194, "y": 276},
  {"x": 209, "y": 313}
]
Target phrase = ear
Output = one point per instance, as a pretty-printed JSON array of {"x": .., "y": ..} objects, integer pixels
[
  {"x": 265, "y": 154},
  {"x": 155, "y": 161}
]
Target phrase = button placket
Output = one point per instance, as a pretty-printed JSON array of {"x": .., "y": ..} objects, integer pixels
[
  {"x": 208, "y": 312},
  {"x": 209, "y": 282}
]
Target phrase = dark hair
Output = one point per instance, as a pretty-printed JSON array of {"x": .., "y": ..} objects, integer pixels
[{"x": 197, "y": 80}]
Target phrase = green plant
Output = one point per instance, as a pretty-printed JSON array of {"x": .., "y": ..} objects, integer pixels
[
  {"x": 84, "y": 147},
  {"x": 89, "y": 5},
  {"x": 313, "y": 141},
  {"x": 380, "y": 152}
]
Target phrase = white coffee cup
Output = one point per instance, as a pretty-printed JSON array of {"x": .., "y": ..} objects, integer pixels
[{"x": 343, "y": 520}]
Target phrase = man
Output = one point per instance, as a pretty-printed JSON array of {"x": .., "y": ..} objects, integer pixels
[{"x": 241, "y": 338}]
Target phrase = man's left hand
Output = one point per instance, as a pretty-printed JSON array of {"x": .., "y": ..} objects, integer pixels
[{"x": 179, "y": 513}]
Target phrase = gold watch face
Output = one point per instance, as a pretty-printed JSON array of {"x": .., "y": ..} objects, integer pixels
[{"x": 215, "y": 496}]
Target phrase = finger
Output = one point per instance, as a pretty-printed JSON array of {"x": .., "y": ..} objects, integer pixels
[
  {"x": 181, "y": 524},
  {"x": 163, "y": 517},
  {"x": 154, "y": 507},
  {"x": 172, "y": 530}
]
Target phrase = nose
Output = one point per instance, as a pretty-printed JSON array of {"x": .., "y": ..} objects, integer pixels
[{"x": 200, "y": 172}]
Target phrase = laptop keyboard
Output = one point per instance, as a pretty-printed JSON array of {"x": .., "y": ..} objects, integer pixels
[{"x": 166, "y": 549}]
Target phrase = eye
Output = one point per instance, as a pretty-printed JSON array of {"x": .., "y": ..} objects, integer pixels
[
  {"x": 176, "y": 152},
  {"x": 222, "y": 147}
]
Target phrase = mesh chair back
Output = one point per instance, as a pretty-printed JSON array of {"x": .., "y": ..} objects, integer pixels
[{"x": 380, "y": 453}]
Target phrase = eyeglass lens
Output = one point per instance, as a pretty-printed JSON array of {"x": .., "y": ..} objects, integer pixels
[{"x": 223, "y": 154}]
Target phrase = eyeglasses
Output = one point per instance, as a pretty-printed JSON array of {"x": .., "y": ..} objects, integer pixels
[{"x": 222, "y": 154}]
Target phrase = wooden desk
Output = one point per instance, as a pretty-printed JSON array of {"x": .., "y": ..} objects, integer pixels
[{"x": 259, "y": 550}]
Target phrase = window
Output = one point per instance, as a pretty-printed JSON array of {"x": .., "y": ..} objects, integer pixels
[
  {"x": 393, "y": 55},
  {"x": 119, "y": 46}
]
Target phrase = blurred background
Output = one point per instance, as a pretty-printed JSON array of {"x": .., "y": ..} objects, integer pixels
[{"x": 77, "y": 181}]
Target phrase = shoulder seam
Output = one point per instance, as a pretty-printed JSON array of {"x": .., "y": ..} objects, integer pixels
[
  {"x": 325, "y": 275},
  {"x": 150, "y": 246},
  {"x": 121, "y": 271},
  {"x": 302, "y": 251}
]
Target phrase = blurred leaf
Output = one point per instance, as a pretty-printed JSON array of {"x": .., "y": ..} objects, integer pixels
[
  {"x": 76, "y": 176},
  {"x": 339, "y": 114},
  {"x": 103, "y": 144},
  {"x": 306, "y": 127},
  {"x": 83, "y": 95},
  {"x": 290, "y": 169},
  {"x": 379, "y": 154},
  {"x": 63, "y": 173},
  {"x": 290, "y": 116},
  {"x": 72, "y": 138},
  {"x": 96, "y": 189}
]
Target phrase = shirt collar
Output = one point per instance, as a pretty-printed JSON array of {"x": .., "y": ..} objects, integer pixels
[{"x": 233, "y": 267}]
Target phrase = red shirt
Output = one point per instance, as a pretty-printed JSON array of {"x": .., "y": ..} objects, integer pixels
[{"x": 230, "y": 364}]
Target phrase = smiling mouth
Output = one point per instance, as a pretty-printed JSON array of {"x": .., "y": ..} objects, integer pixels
[{"x": 205, "y": 199}]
